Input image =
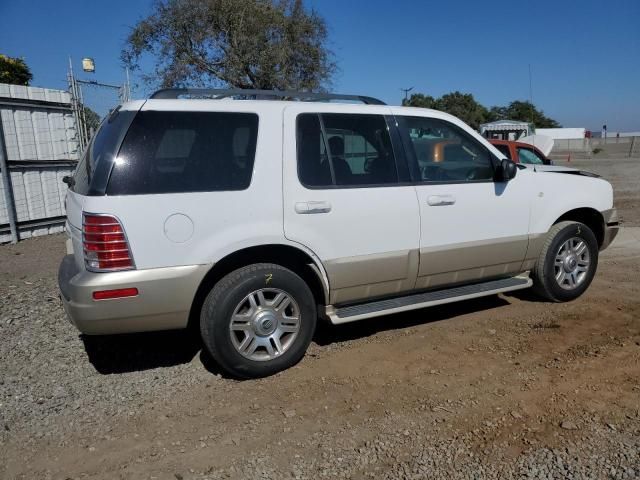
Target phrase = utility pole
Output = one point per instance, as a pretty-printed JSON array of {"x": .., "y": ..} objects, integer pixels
[
  {"x": 76, "y": 103},
  {"x": 406, "y": 93}
]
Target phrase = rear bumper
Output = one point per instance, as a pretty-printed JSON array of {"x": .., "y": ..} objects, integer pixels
[
  {"x": 611, "y": 227},
  {"x": 163, "y": 302}
]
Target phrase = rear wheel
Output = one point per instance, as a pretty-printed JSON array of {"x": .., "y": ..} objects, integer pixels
[
  {"x": 258, "y": 320},
  {"x": 567, "y": 263}
]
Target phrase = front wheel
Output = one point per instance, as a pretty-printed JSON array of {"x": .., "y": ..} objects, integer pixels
[
  {"x": 568, "y": 262},
  {"x": 258, "y": 320}
]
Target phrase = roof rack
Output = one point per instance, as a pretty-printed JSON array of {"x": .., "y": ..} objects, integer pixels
[{"x": 217, "y": 94}]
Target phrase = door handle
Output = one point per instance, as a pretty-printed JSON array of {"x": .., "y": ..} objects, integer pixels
[
  {"x": 312, "y": 207},
  {"x": 440, "y": 200}
]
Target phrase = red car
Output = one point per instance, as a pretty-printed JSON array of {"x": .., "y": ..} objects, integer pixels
[{"x": 520, "y": 152}]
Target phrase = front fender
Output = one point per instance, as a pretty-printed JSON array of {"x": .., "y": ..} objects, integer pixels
[{"x": 556, "y": 194}]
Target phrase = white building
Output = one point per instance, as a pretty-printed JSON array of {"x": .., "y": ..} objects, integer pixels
[
  {"x": 562, "y": 133},
  {"x": 506, "y": 129}
]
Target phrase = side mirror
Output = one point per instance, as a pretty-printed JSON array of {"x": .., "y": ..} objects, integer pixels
[
  {"x": 507, "y": 171},
  {"x": 69, "y": 180}
]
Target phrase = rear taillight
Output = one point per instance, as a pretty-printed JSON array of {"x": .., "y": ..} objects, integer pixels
[{"x": 105, "y": 245}]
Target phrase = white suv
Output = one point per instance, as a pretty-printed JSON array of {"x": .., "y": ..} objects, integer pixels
[{"x": 252, "y": 218}]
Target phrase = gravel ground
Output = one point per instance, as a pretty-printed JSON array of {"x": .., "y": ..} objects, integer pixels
[{"x": 500, "y": 387}]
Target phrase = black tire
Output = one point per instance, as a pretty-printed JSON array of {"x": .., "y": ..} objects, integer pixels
[
  {"x": 229, "y": 292},
  {"x": 544, "y": 271}
]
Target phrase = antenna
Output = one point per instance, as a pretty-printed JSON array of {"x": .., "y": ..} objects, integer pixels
[
  {"x": 530, "y": 93},
  {"x": 531, "y": 105},
  {"x": 406, "y": 93}
]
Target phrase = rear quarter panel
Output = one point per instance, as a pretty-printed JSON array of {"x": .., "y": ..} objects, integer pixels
[{"x": 74, "y": 204}]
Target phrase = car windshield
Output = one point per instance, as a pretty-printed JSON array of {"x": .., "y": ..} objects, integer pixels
[{"x": 529, "y": 156}]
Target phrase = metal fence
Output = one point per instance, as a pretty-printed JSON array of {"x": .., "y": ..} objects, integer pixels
[
  {"x": 582, "y": 145},
  {"x": 38, "y": 146},
  {"x": 613, "y": 147}
]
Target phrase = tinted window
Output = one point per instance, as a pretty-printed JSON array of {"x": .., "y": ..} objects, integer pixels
[
  {"x": 443, "y": 152},
  {"x": 170, "y": 152},
  {"x": 344, "y": 150},
  {"x": 97, "y": 158},
  {"x": 504, "y": 149},
  {"x": 529, "y": 156}
]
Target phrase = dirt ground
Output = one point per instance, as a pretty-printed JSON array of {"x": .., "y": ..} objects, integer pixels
[{"x": 501, "y": 387}]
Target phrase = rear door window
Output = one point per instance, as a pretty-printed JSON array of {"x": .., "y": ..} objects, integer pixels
[
  {"x": 173, "y": 152},
  {"x": 345, "y": 150}
]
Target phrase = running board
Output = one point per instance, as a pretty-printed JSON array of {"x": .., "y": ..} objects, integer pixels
[{"x": 427, "y": 299}]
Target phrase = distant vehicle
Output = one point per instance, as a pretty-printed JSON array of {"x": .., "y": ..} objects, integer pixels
[{"x": 521, "y": 152}]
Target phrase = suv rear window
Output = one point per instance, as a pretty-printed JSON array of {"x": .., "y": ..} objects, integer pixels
[
  {"x": 172, "y": 152},
  {"x": 91, "y": 175}
]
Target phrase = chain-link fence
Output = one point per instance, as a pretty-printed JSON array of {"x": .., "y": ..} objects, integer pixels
[{"x": 92, "y": 101}]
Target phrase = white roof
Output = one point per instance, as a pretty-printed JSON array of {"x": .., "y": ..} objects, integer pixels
[{"x": 505, "y": 125}]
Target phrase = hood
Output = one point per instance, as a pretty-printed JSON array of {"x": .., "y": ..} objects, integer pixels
[
  {"x": 560, "y": 169},
  {"x": 541, "y": 142}
]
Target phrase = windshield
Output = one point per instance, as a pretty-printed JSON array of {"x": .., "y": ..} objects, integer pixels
[{"x": 529, "y": 156}]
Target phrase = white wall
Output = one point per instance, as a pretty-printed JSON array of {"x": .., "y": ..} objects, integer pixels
[
  {"x": 38, "y": 132},
  {"x": 41, "y": 143},
  {"x": 561, "y": 133}
]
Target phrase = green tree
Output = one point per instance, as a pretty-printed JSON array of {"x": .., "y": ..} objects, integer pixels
[
  {"x": 420, "y": 100},
  {"x": 524, "y": 111},
  {"x": 265, "y": 44},
  {"x": 462, "y": 105},
  {"x": 497, "y": 113},
  {"x": 465, "y": 107},
  {"x": 92, "y": 119},
  {"x": 14, "y": 71}
]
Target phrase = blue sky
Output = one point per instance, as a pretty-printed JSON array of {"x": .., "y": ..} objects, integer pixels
[{"x": 584, "y": 55}]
